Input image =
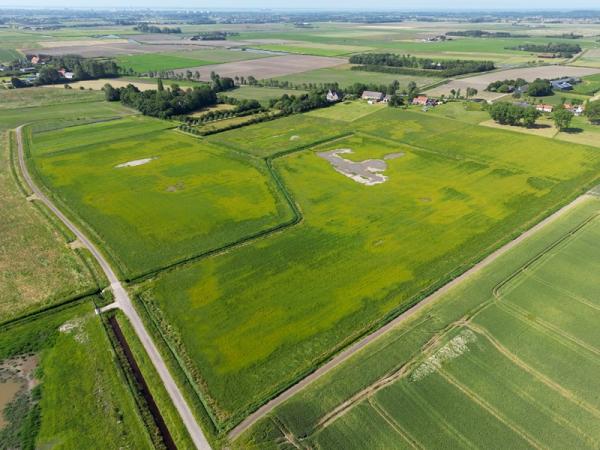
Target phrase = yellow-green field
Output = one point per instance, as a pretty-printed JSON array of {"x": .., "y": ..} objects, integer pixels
[
  {"x": 508, "y": 358},
  {"x": 152, "y": 196},
  {"x": 250, "y": 321}
]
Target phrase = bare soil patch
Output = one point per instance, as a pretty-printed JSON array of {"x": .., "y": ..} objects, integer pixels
[
  {"x": 268, "y": 67},
  {"x": 366, "y": 172},
  {"x": 480, "y": 82}
]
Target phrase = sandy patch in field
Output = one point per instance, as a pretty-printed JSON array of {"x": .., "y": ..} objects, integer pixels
[
  {"x": 294, "y": 137},
  {"x": 99, "y": 84},
  {"x": 16, "y": 375},
  {"x": 275, "y": 66},
  {"x": 365, "y": 172},
  {"x": 480, "y": 82},
  {"x": 81, "y": 43},
  {"x": 135, "y": 163}
]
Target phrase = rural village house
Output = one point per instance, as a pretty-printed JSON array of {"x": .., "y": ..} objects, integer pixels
[
  {"x": 333, "y": 96},
  {"x": 544, "y": 108},
  {"x": 373, "y": 96}
]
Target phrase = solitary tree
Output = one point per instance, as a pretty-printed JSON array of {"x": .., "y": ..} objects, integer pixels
[
  {"x": 471, "y": 92},
  {"x": 562, "y": 118}
]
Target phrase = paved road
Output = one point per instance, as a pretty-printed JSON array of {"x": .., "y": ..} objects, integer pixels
[
  {"x": 353, "y": 349},
  {"x": 124, "y": 303}
]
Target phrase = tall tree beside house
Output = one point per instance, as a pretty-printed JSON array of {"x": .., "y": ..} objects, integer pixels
[
  {"x": 562, "y": 118},
  {"x": 592, "y": 111}
]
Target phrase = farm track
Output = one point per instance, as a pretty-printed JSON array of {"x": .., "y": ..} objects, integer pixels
[
  {"x": 124, "y": 303},
  {"x": 359, "y": 345}
]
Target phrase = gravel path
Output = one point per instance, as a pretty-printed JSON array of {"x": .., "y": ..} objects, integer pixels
[{"x": 123, "y": 302}]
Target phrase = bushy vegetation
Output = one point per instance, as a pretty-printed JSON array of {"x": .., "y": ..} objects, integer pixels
[
  {"x": 411, "y": 65},
  {"x": 213, "y": 36},
  {"x": 163, "y": 103},
  {"x": 592, "y": 111},
  {"x": 506, "y": 86},
  {"x": 145, "y": 28},
  {"x": 509, "y": 114},
  {"x": 539, "y": 88},
  {"x": 565, "y": 50}
]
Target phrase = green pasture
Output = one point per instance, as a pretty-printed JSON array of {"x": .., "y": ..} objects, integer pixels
[
  {"x": 361, "y": 252},
  {"x": 262, "y": 94},
  {"x": 316, "y": 50},
  {"x": 217, "y": 56},
  {"x": 83, "y": 401},
  {"x": 347, "y": 111},
  {"x": 157, "y": 62},
  {"x": 488, "y": 362},
  {"x": 589, "y": 85},
  {"x": 346, "y": 77},
  {"x": 187, "y": 197}
]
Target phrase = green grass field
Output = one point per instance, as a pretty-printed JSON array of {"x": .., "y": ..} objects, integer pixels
[
  {"x": 346, "y": 77},
  {"x": 83, "y": 401},
  {"x": 157, "y": 62},
  {"x": 509, "y": 356},
  {"x": 361, "y": 253},
  {"x": 38, "y": 268},
  {"x": 304, "y": 48},
  {"x": 185, "y": 198},
  {"x": 262, "y": 94},
  {"x": 590, "y": 85}
]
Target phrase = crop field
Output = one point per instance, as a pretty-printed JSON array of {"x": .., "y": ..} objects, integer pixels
[
  {"x": 262, "y": 94},
  {"x": 445, "y": 194},
  {"x": 507, "y": 358},
  {"x": 346, "y": 77},
  {"x": 591, "y": 58},
  {"x": 480, "y": 82},
  {"x": 153, "y": 196},
  {"x": 275, "y": 66},
  {"x": 304, "y": 48},
  {"x": 65, "y": 357},
  {"x": 157, "y": 62}
]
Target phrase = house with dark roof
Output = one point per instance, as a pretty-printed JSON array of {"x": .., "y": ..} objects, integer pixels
[{"x": 372, "y": 96}]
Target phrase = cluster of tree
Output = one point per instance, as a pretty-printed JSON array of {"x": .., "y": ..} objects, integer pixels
[
  {"x": 509, "y": 114},
  {"x": 293, "y": 104},
  {"x": 162, "y": 103},
  {"x": 145, "y": 28},
  {"x": 565, "y": 50},
  {"x": 539, "y": 88},
  {"x": 562, "y": 118},
  {"x": 219, "y": 83},
  {"x": 570, "y": 35},
  {"x": 85, "y": 68},
  {"x": 592, "y": 111},
  {"x": 243, "y": 108},
  {"x": 486, "y": 34},
  {"x": 506, "y": 86},
  {"x": 213, "y": 36},
  {"x": 411, "y": 65}
]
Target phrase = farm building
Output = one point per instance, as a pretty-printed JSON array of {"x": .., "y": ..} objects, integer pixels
[
  {"x": 544, "y": 108},
  {"x": 333, "y": 96},
  {"x": 564, "y": 84},
  {"x": 372, "y": 96},
  {"x": 578, "y": 110}
]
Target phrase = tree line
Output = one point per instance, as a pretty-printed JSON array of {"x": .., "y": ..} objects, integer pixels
[
  {"x": 411, "y": 65},
  {"x": 145, "y": 28},
  {"x": 565, "y": 50}
]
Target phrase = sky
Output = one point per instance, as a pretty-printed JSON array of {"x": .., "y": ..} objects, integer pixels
[{"x": 421, "y": 5}]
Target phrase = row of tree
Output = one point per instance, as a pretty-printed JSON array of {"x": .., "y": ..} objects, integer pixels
[
  {"x": 145, "y": 28},
  {"x": 407, "y": 64},
  {"x": 565, "y": 50},
  {"x": 486, "y": 34}
]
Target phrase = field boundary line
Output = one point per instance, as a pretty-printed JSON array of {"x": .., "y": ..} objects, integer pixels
[
  {"x": 125, "y": 304},
  {"x": 489, "y": 408},
  {"x": 564, "y": 392},
  {"x": 354, "y": 348},
  {"x": 414, "y": 443}
]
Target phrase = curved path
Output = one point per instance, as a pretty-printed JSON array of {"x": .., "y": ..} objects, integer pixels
[
  {"x": 359, "y": 345},
  {"x": 123, "y": 302}
]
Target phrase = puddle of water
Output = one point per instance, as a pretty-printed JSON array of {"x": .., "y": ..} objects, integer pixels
[{"x": 8, "y": 392}]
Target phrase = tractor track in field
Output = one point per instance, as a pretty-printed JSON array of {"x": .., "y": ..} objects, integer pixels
[{"x": 122, "y": 302}]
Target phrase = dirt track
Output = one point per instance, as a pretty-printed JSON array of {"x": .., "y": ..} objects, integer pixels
[{"x": 356, "y": 347}]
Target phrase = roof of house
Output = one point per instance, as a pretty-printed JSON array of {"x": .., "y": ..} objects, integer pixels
[{"x": 372, "y": 94}]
